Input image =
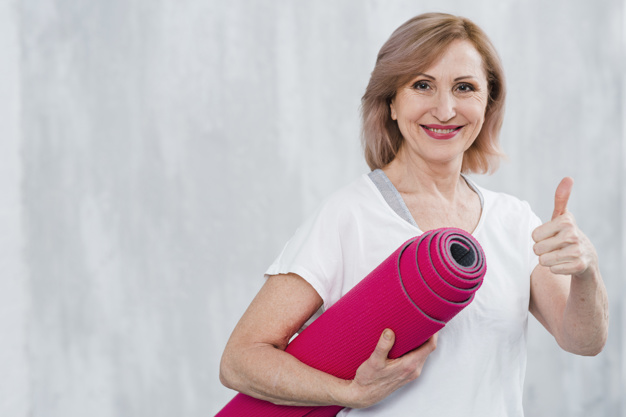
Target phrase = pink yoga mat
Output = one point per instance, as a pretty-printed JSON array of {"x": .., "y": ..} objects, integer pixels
[{"x": 414, "y": 292}]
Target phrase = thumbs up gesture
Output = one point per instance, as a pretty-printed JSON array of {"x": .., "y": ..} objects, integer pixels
[{"x": 560, "y": 244}]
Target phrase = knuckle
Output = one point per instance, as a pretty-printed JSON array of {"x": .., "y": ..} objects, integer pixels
[
  {"x": 570, "y": 237},
  {"x": 433, "y": 344},
  {"x": 380, "y": 351},
  {"x": 377, "y": 366},
  {"x": 534, "y": 235},
  {"x": 407, "y": 370},
  {"x": 416, "y": 374},
  {"x": 565, "y": 222}
]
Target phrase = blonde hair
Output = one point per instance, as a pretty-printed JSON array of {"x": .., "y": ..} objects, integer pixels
[{"x": 413, "y": 48}]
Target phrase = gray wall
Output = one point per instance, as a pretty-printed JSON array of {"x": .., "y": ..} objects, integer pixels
[{"x": 155, "y": 155}]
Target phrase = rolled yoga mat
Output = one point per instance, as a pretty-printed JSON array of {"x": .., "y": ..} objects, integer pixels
[{"x": 414, "y": 292}]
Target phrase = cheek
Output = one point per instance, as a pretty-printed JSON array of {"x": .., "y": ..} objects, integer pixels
[
  {"x": 408, "y": 107},
  {"x": 476, "y": 111}
]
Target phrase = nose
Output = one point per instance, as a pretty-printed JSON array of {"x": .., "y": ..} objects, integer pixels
[{"x": 443, "y": 106}]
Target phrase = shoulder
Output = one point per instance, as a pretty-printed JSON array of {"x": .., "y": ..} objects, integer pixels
[
  {"x": 505, "y": 204},
  {"x": 326, "y": 242},
  {"x": 338, "y": 211},
  {"x": 351, "y": 198},
  {"x": 357, "y": 191}
]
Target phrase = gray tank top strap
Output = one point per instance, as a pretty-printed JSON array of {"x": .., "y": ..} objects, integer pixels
[
  {"x": 394, "y": 199},
  {"x": 391, "y": 195},
  {"x": 476, "y": 190}
]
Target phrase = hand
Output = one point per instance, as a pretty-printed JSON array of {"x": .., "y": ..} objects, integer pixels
[
  {"x": 560, "y": 244},
  {"x": 379, "y": 376}
]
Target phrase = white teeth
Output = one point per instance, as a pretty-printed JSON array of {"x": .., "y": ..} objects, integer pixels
[{"x": 441, "y": 130}]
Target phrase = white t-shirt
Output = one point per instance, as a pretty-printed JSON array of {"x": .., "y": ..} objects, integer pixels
[{"x": 479, "y": 365}]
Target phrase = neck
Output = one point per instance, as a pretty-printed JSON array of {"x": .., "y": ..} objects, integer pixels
[{"x": 411, "y": 175}]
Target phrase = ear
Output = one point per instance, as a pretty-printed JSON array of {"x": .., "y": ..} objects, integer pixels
[{"x": 394, "y": 116}]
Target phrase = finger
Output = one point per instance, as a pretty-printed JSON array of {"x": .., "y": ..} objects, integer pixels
[
  {"x": 570, "y": 253},
  {"x": 561, "y": 196},
  {"x": 564, "y": 227},
  {"x": 385, "y": 343},
  {"x": 548, "y": 245},
  {"x": 568, "y": 268},
  {"x": 552, "y": 259},
  {"x": 546, "y": 231}
]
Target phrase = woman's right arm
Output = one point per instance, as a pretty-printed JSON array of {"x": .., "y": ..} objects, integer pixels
[{"x": 255, "y": 363}]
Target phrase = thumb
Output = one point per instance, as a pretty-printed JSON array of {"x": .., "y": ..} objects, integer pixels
[
  {"x": 561, "y": 196},
  {"x": 385, "y": 343}
]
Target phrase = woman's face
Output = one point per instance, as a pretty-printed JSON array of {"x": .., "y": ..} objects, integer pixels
[{"x": 441, "y": 111}]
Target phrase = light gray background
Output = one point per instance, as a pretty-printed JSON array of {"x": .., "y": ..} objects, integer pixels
[{"x": 155, "y": 155}]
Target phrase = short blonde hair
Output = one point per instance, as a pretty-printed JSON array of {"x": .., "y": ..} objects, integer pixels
[{"x": 413, "y": 48}]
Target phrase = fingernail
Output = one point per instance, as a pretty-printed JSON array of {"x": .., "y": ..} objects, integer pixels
[{"x": 387, "y": 334}]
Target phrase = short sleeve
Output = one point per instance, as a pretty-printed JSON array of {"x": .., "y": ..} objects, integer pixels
[{"x": 314, "y": 253}]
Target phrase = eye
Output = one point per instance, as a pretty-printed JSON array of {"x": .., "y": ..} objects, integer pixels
[
  {"x": 465, "y": 87},
  {"x": 422, "y": 85}
]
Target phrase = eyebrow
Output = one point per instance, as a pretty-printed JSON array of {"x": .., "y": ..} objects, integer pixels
[{"x": 463, "y": 77}]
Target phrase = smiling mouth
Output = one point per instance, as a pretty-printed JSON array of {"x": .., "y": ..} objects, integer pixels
[
  {"x": 442, "y": 130},
  {"x": 439, "y": 132}
]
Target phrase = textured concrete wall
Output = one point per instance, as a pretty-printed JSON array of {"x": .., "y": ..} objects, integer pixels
[
  {"x": 14, "y": 296},
  {"x": 157, "y": 154}
]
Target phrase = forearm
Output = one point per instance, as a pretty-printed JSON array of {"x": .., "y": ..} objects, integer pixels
[
  {"x": 255, "y": 362},
  {"x": 270, "y": 374},
  {"x": 586, "y": 316}
]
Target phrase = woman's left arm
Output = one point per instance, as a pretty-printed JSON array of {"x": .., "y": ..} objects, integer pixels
[{"x": 567, "y": 294}]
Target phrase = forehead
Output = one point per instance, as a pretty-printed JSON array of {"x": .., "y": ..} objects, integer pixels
[{"x": 459, "y": 59}]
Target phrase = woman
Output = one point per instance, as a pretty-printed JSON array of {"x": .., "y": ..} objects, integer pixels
[{"x": 432, "y": 111}]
